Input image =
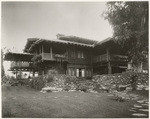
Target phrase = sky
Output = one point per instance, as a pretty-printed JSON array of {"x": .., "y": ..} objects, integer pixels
[{"x": 22, "y": 20}]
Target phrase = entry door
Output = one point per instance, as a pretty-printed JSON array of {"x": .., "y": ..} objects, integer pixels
[
  {"x": 77, "y": 72},
  {"x": 80, "y": 72}
]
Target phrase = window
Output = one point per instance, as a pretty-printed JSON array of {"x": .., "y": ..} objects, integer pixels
[
  {"x": 80, "y": 54},
  {"x": 77, "y": 72},
  {"x": 88, "y": 71},
  {"x": 73, "y": 54},
  {"x": 83, "y": 73},
  {"x": 73, "y": 72},
  {"x": 69, "y": 71}
]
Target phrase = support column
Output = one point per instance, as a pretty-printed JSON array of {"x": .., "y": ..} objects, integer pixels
[
  {"x": 16, "y": 73},
  {"x": 20, "y": 72},
  {"x": 42, "y": 52},
  {"x": 51, "y": 52},
  {"x": 33, "y": 73},
  {"x": 108, "y": 60}
]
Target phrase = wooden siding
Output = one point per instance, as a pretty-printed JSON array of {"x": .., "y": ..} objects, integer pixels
[{"x": 79, "y": 57}]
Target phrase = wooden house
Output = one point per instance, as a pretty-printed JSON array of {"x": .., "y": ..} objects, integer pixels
[{"x": 70, "y": 55}]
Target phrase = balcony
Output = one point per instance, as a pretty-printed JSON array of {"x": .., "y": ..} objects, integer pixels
[
  {"x": 20, "y": 65},
  {"x": 105, "y": 58},
  {"x": 118, "y": 58},
  {"x": 100, "y": 58},
  {"x": 49, "y": 57}
]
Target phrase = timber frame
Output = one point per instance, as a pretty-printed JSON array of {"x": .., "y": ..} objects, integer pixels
[{"x": 71, "y": 55}]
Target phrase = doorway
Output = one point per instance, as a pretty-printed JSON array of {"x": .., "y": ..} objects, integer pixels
[{"x": 80, "y": 72}]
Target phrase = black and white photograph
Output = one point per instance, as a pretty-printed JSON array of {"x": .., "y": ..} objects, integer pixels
[{"x": 75, "y": 59}]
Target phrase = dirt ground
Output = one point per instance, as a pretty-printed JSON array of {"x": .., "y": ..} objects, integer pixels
[{"x": 24, "y": 102}]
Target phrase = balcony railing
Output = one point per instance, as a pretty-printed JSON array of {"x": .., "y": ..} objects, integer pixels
[
  {"x": 101, "y": 58},
  {"x": 52, "y": 57},
  {"x": 20, "y": 65},
  {"x": 118, "y": 58},
  {"x": 47, "y": 56}
]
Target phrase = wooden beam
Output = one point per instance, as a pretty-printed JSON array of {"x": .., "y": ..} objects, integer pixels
[
  {"x": 51, "y": 52},
  {"x": 42, "y": 52},
  {"x": 108, "y": 60}
]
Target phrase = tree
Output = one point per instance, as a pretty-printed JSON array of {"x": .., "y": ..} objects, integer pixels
[
  {"x": 129, "y": 21},
  {"x": 2, "y": 66}
]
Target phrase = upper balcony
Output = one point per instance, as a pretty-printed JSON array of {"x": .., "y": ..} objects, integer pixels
[
  {"x": 50, "y": 57},
  {"x": 118, "y": 58},
  {"x": 20, "y": 65},
  {"x": 106, "y": 58},
  {"x": 53, "y": 57}
]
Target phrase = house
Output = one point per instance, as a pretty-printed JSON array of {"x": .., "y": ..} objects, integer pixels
[{"x": 70, "y": 55}]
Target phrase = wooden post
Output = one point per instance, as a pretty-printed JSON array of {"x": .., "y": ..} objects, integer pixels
[
  {"x": 33, "y": 73},
  {"x": 16, "y": 73},
  {"x": 108, "y": 60},
  {"x": 42, "y": 52},
  {"x": 43, "y": 73},
  {"x": 91, "y": 66},
  {"x": 39, "y": 49},
  {"x": 51, "y": 52},
  {"x": 20, "y": 69}
]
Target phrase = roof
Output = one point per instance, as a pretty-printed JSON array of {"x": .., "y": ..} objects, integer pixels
[
  {"x": 103, "y": 41},
  {"x": 76, "y": 39},
  {"x": 11, "y": 56},
  {"x": 86, "y": 43},
  {"x": 45, "y": 40},
  {"x": 30, "y": 41}
]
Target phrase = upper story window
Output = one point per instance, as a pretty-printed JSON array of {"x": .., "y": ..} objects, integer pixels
[
  {"x": 73, "y": 54},
  {"x": 80, "y": 54}
]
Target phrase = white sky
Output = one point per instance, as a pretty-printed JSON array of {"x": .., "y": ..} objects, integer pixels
[{"x": 22, "y": 20}]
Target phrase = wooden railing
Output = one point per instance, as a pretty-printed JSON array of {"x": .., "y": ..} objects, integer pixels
[
  {"x": 100, "y": 58},
  {"x": 19, "y": 64},
  {"x": 118, "y": 58},
  {"x": 104, "y": 57},
  {"x": 47, "y": 56},
  {"x": 50, "y": 57}
]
